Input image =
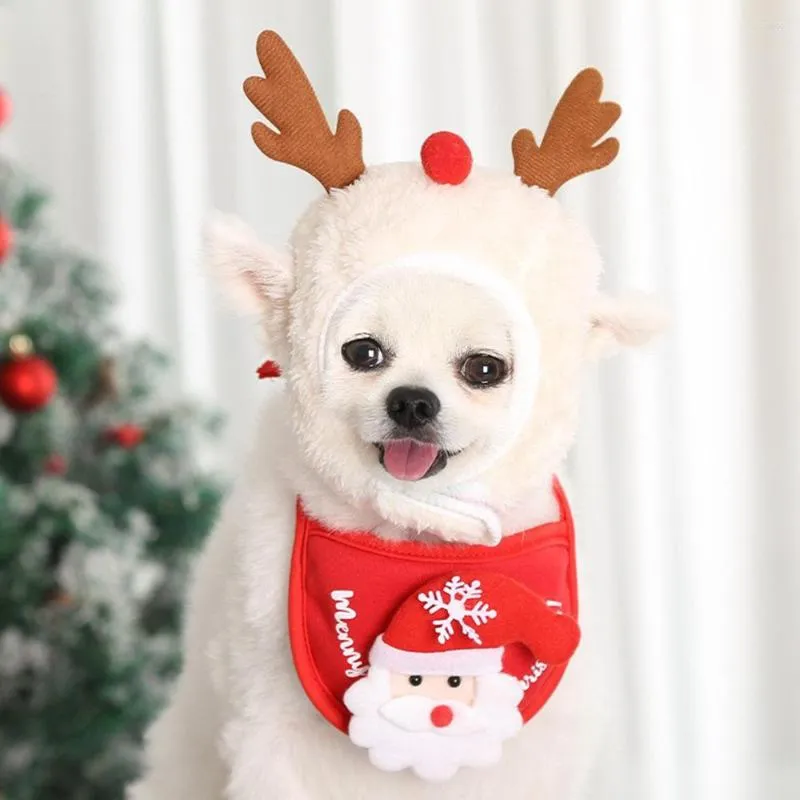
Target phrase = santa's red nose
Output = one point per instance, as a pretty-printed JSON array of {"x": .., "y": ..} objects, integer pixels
[{"x": 441, "y": 716}]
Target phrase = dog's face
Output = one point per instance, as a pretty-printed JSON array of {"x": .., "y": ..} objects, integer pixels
[
  {"x": 421, "y": 369},
  {"x": 433, "y": 337}
]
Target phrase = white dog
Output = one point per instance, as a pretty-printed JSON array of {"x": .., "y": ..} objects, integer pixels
[{"x": 432, "y": 323}]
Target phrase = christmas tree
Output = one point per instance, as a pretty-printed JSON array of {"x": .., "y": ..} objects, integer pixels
[{"x": 102, "y": 504}]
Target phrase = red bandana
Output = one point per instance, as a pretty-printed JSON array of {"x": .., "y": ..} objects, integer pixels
[{"x": 345, "y": 590}]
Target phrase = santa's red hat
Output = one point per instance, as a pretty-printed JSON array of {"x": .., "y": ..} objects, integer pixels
[{"x": 460, "y": 625}]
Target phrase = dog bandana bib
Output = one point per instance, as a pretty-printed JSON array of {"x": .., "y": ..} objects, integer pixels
[{"x": 430, "y": 656}]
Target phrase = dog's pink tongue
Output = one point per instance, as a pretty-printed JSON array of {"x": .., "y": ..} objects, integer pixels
[{"x": 407, "y": 459}]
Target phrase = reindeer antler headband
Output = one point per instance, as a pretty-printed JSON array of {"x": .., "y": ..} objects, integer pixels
[{"x": 303, "y": 138}]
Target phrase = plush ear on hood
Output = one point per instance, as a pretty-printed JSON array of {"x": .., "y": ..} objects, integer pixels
[
  {"x": 257, "y": 278},
  {"x": 628, "y": 321}
]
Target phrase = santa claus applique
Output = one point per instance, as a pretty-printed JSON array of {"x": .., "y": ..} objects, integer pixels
[{"x": 436, "y": 697}]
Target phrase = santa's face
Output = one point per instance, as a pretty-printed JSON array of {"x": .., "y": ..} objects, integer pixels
[{"x": 433, "y": 724}]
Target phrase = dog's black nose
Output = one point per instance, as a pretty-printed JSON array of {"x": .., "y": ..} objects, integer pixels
[{"x": 412, "y": 407}]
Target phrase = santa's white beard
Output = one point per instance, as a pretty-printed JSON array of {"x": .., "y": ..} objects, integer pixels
[{"x": 399, "y": 734}]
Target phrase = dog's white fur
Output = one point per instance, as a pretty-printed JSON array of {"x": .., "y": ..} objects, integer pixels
[{"x": 239, "y": 725}]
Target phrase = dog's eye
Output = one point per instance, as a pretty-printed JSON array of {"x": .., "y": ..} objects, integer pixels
[
  {"x": 363, "y": 354},
  {"x": 454, "y": 681},
  {"x": 482, "y": 369},
  {"x": 415, "y": 680}
]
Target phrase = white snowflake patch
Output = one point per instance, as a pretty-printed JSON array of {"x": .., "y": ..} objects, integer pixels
[{"x": 455, "y": 606}]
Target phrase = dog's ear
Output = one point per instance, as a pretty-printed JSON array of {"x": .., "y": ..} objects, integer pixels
[
  {"x": 628, "y": 321},
  {"x": 257, "y": 278}
]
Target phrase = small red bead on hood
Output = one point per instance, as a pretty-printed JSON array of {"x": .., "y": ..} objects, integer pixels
[{"x": 269, "y": 369}]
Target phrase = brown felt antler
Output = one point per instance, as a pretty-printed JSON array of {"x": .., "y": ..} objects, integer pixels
[
  {"x": 569, "y": 147},
  {"x": 303, "y": 138}
]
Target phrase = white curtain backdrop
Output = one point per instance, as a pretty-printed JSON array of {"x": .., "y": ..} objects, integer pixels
[{"x": 688, "y": 460}]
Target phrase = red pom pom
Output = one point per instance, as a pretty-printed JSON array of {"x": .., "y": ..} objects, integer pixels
[
  {"x": 446, "y": 158},
  {"x": 27, "y": 383},
  {"x": 6, "y": 239},
  {"x": 269, "y": 369},
  {"x": 5, "y": 107},
  {"x": 126, "y": 435}
]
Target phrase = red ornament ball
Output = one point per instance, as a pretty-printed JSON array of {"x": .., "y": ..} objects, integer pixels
[
  {"x": 269, "y": 369},
  {"x": 5, "y": 107},
  {"x": 6, "y": 239},
  {"x": 27, "y": 383},
  {"x": 126, "y": 435},
  {"x": 446, "y": 158},
  {"x": 55, "y": 464}
]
